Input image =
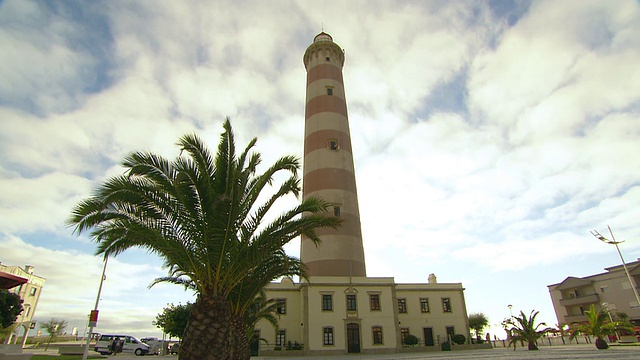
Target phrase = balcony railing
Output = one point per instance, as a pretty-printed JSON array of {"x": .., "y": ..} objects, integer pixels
[
  {"x": 586, "y": 299},
  {"x": 575, "y": 318}
]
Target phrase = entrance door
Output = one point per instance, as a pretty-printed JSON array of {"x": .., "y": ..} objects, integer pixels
[
  {"x": 254, "y": 345},
  {"x": 428, "y": 336},
  {"x": 353, "y": 338}
]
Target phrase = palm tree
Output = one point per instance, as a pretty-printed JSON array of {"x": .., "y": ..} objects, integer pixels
[
  {"x": 561, "y": 329},
  {"x": 525, "y": 329},
  {"x": 598, "y": 326},
  {"x": 262, "y": 308},
  {"x": 204, "y": 215},
  {"x": 477, "y": 322}
]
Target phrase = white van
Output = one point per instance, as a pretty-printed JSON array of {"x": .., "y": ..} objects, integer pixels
[{"x": 131, "y": 344}]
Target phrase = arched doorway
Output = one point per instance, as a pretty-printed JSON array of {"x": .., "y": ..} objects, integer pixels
[{"x": 353, "y": 338}]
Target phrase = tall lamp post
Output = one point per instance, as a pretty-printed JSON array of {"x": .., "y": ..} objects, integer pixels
[
  {"x": 606, "y": 306},
  {"x": 614, "y": 242},
  {"x": 94, "y": 314}
]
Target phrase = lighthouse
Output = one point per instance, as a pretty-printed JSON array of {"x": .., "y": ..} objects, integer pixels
[
  {"x": 328, "y": 164},
  {"x": 340, "y": 310}
]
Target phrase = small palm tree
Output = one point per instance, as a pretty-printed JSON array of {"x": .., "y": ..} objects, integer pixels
[
  {"x": 597, "y": 325},
  {"x": 261, "y": 308},
  {"x": 561, "y": 329},
  {"x": 524, "y": 328},
  {"x": 477, "y": 322}
]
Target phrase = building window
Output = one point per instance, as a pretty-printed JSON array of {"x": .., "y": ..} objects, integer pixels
[
  {"x": 336, "y": 211},
  {"x": 404, "y": 332},
  {"x": 446, "y": 305},
  {"x": 28, "y": 311},
  {"x": 374, "y": 300},
  {"x": 450, "y": 332},
  {"x": 424, "y": 305},
  {"x": 402, "y": 306},
  {"x": 329, "y": 91},
  {"x": 351, "y": 302},
  {"x": 328, "y": 59},
  {"x": 333, "y": 144},
  {"x": 327, "y": 302},
  {"x": 377, "y": 335},
  {"x": 281, "y": 337},
  {"x": 32, "y": 292},
  {"x": 282, "y": 306},
  {"x": 327, "y": 336},
  {"x": 633, "y": 304}
]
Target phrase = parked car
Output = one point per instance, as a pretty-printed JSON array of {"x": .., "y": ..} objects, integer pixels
[
  {"x": 175, "y": 348},
  {"x": 155, "y": 345},
  {"x": 131, "y": 345}
]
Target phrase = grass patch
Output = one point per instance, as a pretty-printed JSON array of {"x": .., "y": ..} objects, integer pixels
[{"x": 64, "y": 357}]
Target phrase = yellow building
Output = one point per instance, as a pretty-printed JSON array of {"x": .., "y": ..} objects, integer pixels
[
  {"x": 340, "y": 310},
  {"x": 28, "y": 286},
  {"x": 338, "y": 315}
]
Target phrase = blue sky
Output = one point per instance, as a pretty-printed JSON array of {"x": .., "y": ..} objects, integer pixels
[{"x": 489, "y": 137}]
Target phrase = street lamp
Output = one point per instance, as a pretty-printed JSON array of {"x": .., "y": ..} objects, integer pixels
[
  {"x": 510, "y": 312},
  {"x": 606, "y": 306},
  {"x": 614, "y": 242},
  {"x": 95, "y": 311}
]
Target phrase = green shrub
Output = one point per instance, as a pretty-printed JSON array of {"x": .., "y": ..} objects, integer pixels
[
  {"x": 459, "y": 339},
  {"x": 411, "y": 340}
]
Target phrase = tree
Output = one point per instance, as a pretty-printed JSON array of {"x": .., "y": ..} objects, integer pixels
[
  {"x": 10, "y": 308},
  {"x": 598, "y": 326},
  {"x": 173, "y": 319},
  {"x": 261, "y": 308},
  {"x": 524, "y": 328},
  {"x": 562, "y": 330},
  {"x": 204, "y": 216},
  {"x": 53, "y": 327},
  {"x": 478, "y": 321}
]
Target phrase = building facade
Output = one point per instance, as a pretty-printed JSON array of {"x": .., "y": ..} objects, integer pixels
[
  {"x": 29, "y": 291},
  {"x": 332, "y": 315},
  {"x": 340, "y": 310},
  {"x": 610, "y": 290}
]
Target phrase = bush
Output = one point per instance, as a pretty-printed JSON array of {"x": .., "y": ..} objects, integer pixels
[
  {"x": 459, "y": 339},
  {"x": 446, "y": 346},
  {"x": 411, "y": 340}
]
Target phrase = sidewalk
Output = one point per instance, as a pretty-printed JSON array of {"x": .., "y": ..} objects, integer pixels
[{"x": 569, "y": 352}]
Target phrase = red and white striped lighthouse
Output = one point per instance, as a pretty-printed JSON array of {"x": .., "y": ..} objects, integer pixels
[{"x": 328, "y": 164}]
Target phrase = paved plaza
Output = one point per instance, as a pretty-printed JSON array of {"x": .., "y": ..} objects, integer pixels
[{"x": 583, "y": 351}]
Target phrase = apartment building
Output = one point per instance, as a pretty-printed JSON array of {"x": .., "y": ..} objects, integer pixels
[{"x": 610, "y": 290}]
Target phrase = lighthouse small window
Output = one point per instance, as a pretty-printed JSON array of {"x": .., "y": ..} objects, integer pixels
[
  {"x": 336, "y": 211},
  {"x": 329, "y": 91},
  {"x": 333, "y": 144},
  {"x": 328, "y": 59}
]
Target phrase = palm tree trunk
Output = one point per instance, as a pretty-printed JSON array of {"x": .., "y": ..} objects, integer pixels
[
  {"x": 239, "y": 338},
  {"x": 208, "y": 334}
]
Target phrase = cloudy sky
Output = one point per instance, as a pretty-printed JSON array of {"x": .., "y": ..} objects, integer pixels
[{"x": 489, "y": 137}]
